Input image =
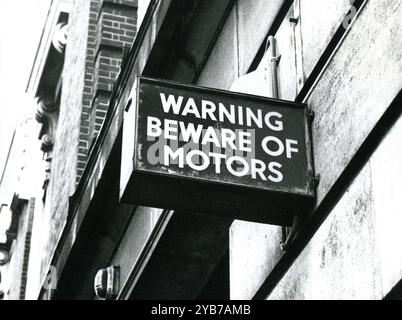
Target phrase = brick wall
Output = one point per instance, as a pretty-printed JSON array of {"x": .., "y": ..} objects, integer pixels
[
  {"x": 83, "y": 145},
  {"x": 98, "y": 32},
  {"x": 112, "y": 27},
  {"x": 27, "y": 247},
  {"x": 18, "y": 267}
]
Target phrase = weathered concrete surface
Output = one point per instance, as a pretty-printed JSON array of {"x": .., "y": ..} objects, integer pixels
[
  {"x": 141, "y": 225},
  {"x": 221, "y": 68},
  {"x": 319, "y": 21},
  {"x": 363, "y": 77},
  {"x": 230, "y": 58},
  {"x": 340, "y": 262},
  {"x": 65, "y": 150},
  {"x": 255, "y": 246},
  {"x": 239, "y": 41},
  {"x": 285, "y": 46},
  {"x": 184, "y": 258},
  {"x": 254, "y": 20},
  {"x": 304, "y": 42},
  {"x": 345, "y": 114},
  {"x": 386, "y": 173},
  {"x": 356, "y": 252},
  {"x": 15, "y": 279},
  {"x": 254, "y": 250}
]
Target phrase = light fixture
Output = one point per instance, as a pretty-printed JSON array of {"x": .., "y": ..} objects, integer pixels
[{"x": 106, "y": 283}]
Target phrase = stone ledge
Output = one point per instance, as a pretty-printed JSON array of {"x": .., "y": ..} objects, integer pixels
[{"x": 109, "y": 45}]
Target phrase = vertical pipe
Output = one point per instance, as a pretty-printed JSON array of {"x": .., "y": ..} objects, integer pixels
[{"x": 274, "y": 59}]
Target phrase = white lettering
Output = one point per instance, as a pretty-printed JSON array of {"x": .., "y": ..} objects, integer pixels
[
  {"x": 171, "y": 103},
  {"x": 170, "y": 129},
  {"x": 193, "y": 165},
  {"x": 153, "y": 127},
  {"x": 224, "y": 113},
  {"x": 208, "y": 108},
  {"x": 257, "y": 119},
  {"x": 191, "y": 108},
  {"x": 244, "y": 139},
  {"x": 242, "y": 173},
  {"x": 278, "y": 175},
  {"x": 190, "y": 133},
  {"x": 280, "y": 147},
  {"x": 258, "y": 167},
  {"x": 276, "y": 125},
  {"x": 289, "y": 148},
  {"x": 169, "y": 153},
  {"x": 228, "y": 139}
]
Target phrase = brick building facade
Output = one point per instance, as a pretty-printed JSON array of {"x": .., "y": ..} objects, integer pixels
[
  {"x": 340, "y": 57},
  {"x": 72, "y": 85}
]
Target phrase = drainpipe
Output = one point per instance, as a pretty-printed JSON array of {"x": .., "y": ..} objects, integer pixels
[
  {"x": 288, "y": 233},
  {"x": 274, "y": 61}
]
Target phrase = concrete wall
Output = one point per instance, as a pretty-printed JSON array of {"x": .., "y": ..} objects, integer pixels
[
  {"x": 14, "y": 275},
  {"x": 22, "y": 176},
  {"x": 130, "y": 248},
  {"x": 256, "y": 248},
  {"x": 64, "y": 163},
  {"x": 352, "y": 92},
  {"x": 18, "y": 266},
  {"x": 239, "y": 41},
  {"x": 357, "y": 255},
  {"x": 231, "y": 57}
]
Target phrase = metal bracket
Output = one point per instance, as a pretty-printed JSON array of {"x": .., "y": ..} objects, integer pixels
[
  {"x": 294, "y": 20},
  {"x": 297, "y": 219},
  {"x": 276, "y": 59},
  {"x": 297, "y": 222},
  {"x": 314, "y": 180},
  {"x": 128, "y": 105},
  {"x": 107, "y": 283},
  {"x": 310, "y": 115}
]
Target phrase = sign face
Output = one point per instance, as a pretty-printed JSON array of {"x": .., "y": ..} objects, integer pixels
[{"x": 221, "y": 146}]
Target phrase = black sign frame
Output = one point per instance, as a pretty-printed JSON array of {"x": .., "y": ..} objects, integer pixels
[{"x": 237, "y": 201}]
